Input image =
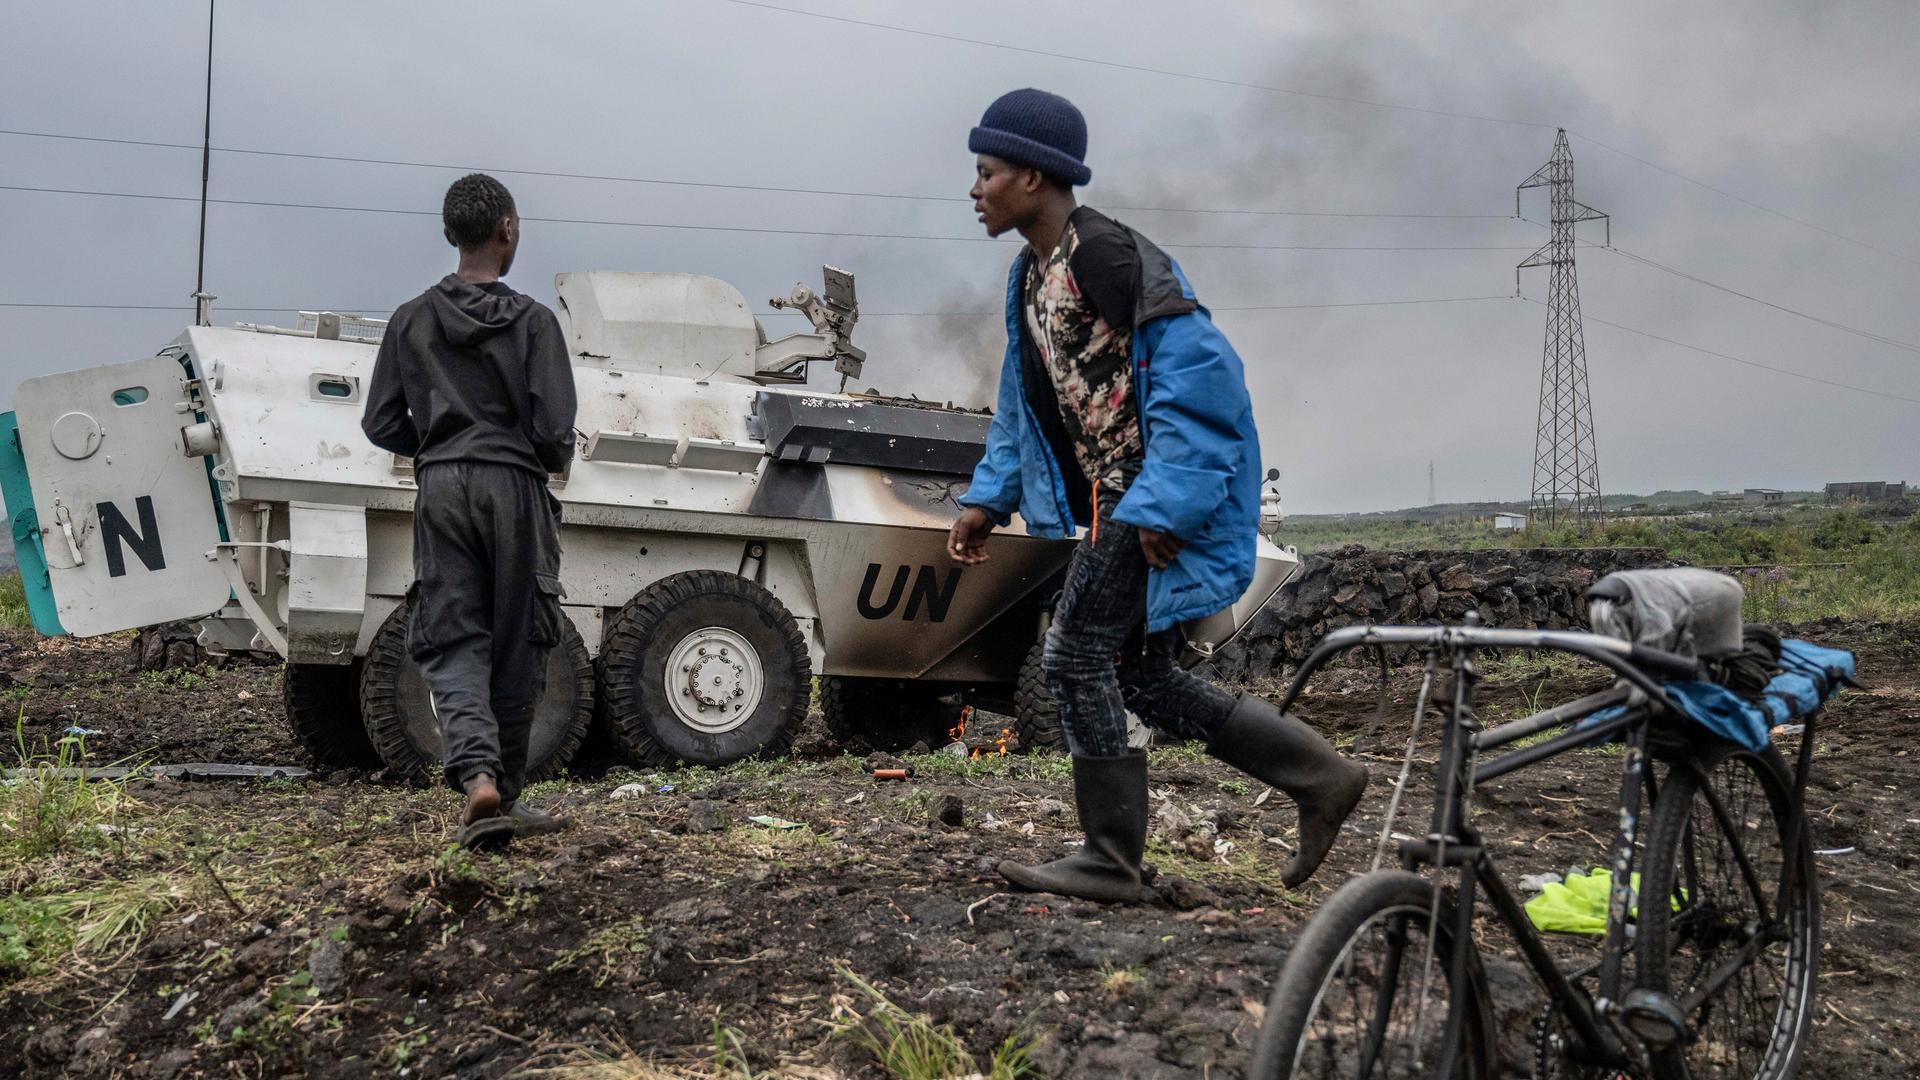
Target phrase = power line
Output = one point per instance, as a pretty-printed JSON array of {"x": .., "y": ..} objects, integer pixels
[
  {"x": 1696, "y": 279},
  {"x": 1746, "y": 362},
  {"x": 749, "y": 229},
  {"x": 1653, "y": 264},
  {"x": 1290, "y": 91},
  {"x": 178, "y": 307},
  {"x": 1657, "y": 167},
  {"x": 764, "y": 314},
  {"x": 716, "y": 185},
  {"x": 1396, "y": 106}
]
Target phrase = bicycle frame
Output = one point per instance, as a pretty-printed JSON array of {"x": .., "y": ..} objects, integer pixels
[{"x": 1452, "y": 841}]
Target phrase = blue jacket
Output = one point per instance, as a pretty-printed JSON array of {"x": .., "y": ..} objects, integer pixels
[{"x": 1201, "y": 479}]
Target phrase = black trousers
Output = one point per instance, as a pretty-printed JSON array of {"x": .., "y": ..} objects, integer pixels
[
  {"x": 485, "y": 611},
  {"x": 1099, "y": 661}
]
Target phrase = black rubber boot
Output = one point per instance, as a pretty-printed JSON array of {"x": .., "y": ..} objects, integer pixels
[
  {"x": 530, "y": 822},
  {"x": 1111, "y": 794},
  {"x": 1279, "y": 750}
]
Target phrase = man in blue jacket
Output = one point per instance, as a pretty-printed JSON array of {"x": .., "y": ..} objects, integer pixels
[{"x": 1122, "y": 408}]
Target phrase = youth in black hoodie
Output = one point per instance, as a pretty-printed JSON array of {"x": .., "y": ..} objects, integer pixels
[{"x": 473, "y": 373}]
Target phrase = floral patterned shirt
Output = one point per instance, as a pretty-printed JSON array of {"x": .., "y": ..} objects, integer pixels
[{"x": 1079, "y": 312}]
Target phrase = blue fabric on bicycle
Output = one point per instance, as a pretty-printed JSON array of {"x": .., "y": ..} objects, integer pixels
[
  {"x": 1811, "y": 675},
  {"x": 1816, "y": 661}
]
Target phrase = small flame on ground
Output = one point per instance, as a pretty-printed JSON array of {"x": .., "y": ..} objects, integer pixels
[
  {"x": 999, "y": 745},
  {"x": 958, "y": 732}
]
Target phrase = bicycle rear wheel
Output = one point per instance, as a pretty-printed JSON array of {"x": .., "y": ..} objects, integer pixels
[
  {"x": 1718, "y": 904},
  {"x": 1357, "y": 998}
]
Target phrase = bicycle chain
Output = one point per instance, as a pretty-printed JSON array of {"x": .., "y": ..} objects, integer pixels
[{"x": 1551, "y": 1037}]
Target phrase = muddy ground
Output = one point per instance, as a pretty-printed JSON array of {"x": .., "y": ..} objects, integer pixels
[{"x": 323, "y": 927}]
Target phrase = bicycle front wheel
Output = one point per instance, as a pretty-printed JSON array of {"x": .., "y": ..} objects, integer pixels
[
  {"x": 1736, "y": 950},
  {"x": 1358, "y": 996}
]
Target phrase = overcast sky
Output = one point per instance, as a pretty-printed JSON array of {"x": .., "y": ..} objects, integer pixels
[{"x": 1809, "y": 110}]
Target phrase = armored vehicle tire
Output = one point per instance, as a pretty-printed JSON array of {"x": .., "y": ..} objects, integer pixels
[
  {"x": 398, "y": 707},
  {"x": 323, "y": 708},
  {"x": 1036, "y": 714},
  {"x": 704, "y": 667},
  {"x": 886, "y": 714}
]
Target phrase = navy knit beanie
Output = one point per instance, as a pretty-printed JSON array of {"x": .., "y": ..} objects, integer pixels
[{"x": 1036, "y": 129}]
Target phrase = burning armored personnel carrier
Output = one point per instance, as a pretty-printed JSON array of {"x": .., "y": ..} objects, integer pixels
[{"x": 729, "y": 534}]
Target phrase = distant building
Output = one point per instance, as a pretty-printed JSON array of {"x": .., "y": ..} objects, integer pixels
[
  {"x": 1766, "y": 496},
  {"x": 1866, "y": 491},
  {"x": 1509, "y": 522},
  {"x": 1634, "y": 508}
]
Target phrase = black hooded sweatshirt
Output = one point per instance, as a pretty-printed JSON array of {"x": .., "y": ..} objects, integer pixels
[{"x": 473, "y": 373}]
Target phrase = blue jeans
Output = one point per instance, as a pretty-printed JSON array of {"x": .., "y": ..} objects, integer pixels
[{"x": 1099, "y": 662}]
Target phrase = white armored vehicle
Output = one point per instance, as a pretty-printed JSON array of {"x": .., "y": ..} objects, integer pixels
[{"x": 728, "y": 533}]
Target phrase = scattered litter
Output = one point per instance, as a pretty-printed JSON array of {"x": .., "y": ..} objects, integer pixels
[
  {"x": 1833, "y": 852},
  {"x": 1788, "y": 731},
  {"x": 82, "y": 732},
  {"x": 956, "y": 749},
  {"x": 666, "y": 789},
  {"x": 186, "y": 998},
  {"x": 1536, "y": 882},
  {"x": 245, "y": 695},
  {"x": 1222, "y": 848},
  {"x": 1026, "y": 828},
  {"x": 629, "y": 791},
  {"x": 1261, "y": 799},
  {"x": 1579, "y": 904},
  {"x": 1255, "y": 911},
  {"x": 992, "y": 821},
  {"x": 768, "y": 822},
  {"x": 1038, "y": 909},
  {"x": 893, "y": 774},
  {"x": 857, "y": 797}
]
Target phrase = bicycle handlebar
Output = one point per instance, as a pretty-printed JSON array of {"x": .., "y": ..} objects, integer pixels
[{"x": 1623, "y": 657}]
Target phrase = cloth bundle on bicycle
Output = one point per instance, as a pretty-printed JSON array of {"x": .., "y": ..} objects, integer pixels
[
  {"x": 1681, "y": 609},
  {"x": 1809, "y": 675}
]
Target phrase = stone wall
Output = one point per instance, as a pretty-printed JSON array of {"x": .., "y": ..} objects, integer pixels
[{"x": 1534, "y": 588}]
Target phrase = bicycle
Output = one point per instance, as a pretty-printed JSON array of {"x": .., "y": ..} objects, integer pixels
[{"x": 1386, "y": 979}]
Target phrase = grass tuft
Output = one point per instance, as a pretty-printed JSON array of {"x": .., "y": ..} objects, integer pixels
[
  {"x": 13, "y": 601},
  {"x": 910, "y": 1046},
  {"x": 56, "y": 802}
]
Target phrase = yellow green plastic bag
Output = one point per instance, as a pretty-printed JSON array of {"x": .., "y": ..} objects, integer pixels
[{"x": 1579, "y": 906}]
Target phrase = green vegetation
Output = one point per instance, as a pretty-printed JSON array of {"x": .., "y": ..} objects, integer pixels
[
  {"x": 1798, "y": 564},
  {"x": 56, "y": 802},
  {"x": 13, "y": 601},
  {"x": 606, "y": 951},
  {"x": 909, "y": 1046}
]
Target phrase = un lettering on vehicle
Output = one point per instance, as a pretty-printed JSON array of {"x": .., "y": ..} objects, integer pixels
[{"x": 931, "y": 594}]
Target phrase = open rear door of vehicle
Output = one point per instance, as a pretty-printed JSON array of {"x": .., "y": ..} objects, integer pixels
[{"x": 120, "y": 516}]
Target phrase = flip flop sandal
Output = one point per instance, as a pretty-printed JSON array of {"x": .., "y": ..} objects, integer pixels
[{"x": 487, "y": 834}]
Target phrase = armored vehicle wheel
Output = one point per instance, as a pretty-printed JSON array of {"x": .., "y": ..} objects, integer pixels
[
  {"x": 886, "y": 714},
  {"x": 398, "y": 708},
  {"x": 1036, "y": 715},
  {"x": 704, "y": 667},
  {"x": 323, "y": 708}
]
